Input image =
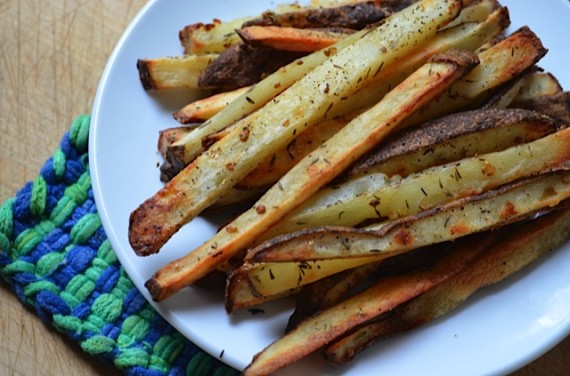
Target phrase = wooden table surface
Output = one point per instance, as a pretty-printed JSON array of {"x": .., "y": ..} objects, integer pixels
[{"x": 52, "y": 55}]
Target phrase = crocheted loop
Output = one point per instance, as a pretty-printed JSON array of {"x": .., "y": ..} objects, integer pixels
[{"x": 79, "y": 132}]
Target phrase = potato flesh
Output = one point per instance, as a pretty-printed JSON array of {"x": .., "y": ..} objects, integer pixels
[
  {"x": 313, "y": 172},
  {"x": 374, "y": 196},
  {"x": 276, "y": 124},
  {"x": 431, "y": 227}
]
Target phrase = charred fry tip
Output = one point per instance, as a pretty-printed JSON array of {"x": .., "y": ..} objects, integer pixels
[
  {"x": 145, "y": 75},
  {"x": 155, "y": 289}
]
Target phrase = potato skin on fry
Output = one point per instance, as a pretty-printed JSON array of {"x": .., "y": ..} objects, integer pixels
[
  {"x": 446, "y": 129},
  {"x": 517, "y": 247},
  {"x": 351, "y": 16}
]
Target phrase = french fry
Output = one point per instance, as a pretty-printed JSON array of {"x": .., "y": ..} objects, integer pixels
[
  {"x": 315, "y": 170},
  {"x": 355, "y": 15},
  {"x": 519, "y": 247},
  {"x": 451, "y": 138},
  {"x": 427, "y": 188},
  {"x": 204, "y": 109},
  {"x": 538, "y": 85},
  {"x": 469, "y": 36},
  {"x": 557, "y": 106},
  {"x": 276, "y": 265},
  {"x": 290, "y": 38},
  {"x": 173, "y": 72},
  {"x": 327, "y": 325},
  {"x": 215, "y": 37},
  {"x": 189, "y": 147},
  {"x": 499, "y": 64},
  {"x": 219, "y": 168},
  {"x": 332, "y": 290},
  {"x": 477, "y": 12}
]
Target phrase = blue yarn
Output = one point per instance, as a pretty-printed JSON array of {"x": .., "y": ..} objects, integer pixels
[
  {"x": 49, "y": 304},
  {"x": 134, "y": 301},
  {"x": 79, "y": 258},
  {"x": 107, "y": 279},
  {"x": 82, "y": 310}
]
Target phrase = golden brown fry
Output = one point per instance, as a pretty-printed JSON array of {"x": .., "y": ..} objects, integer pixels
[
  {"x": 538, "y": 85},
  {"x": 203, "y": 109},
  {"x": 499, "y": 64},
  {"x": 173, "y": 72},
  {"x": 289, "y": 38},
  {"x": 451, "y": 138},
  {"x": 307, "y": 256},
  {"x": 427, "y": 188},
  {"x": 214, "y": 172},
  {"x": 518, "y": 247},
  {"x": 325, "y": 326},
  {"x": 314, "y": 171}
]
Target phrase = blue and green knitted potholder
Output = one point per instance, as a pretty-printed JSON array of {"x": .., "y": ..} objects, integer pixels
[{"x": 55, "y": 255}]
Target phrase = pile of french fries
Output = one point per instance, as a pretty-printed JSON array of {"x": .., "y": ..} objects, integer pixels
[{"x": 403, "y": 155}]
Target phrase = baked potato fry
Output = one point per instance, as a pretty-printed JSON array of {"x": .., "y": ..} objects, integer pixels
[
  {"x": 277, "y": 123},
  {"x": 467, "y": 36},
  {"x": 539, "y": 84},
  {"x": 450, "y": 138},
  {"x": 327, "y": 325},
  {"x": 374, "y": 196},
  {"x": 173, "y": 72},
  {"x": 557, "y": 106},
  {"x": 274, "y": 266},
  {"x": 290, "y": 38},
  {"x": 314, "y": 171},
  {"x": 499, "y": 63},
  {"x": 203, "y": 109},
  {"x": 215, "y": 37},
  {"x": 519, "y": 247}
]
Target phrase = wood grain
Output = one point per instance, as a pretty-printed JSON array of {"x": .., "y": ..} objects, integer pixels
[{"x": 51, "y": 57}]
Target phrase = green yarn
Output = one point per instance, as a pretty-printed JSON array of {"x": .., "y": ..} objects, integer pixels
[
  {"x": 84, "y": 228},
  {"x": 132, "y": 357},
  {"x": 35, "y": 287},
  {"x": 18, "y": 267},
  {"x": 7, "y": 217},
  {"x": 107, "y": 307},
  {"x": 134, "y": 329},
  {"x": 39, "y": 196},
  {"x": 48, "y": 264},
  {"x": 67, "y": 324},
  {"x": 30, "y": 238},
  {"x": 79, "y": 132},
  {"x": 106, "y": 253},
  {"x": 98, "y": 344},
  {"x": 78, "y": 289},
  {"x": 58, "y": 163},
  {"x": 166, "y": 350},
  {"x": 199, "y": 365}
]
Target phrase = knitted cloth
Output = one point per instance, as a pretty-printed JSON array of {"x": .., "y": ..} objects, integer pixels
[{"x": 55, "y": 255}]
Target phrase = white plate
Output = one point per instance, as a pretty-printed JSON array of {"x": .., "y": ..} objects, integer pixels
[{"x": 499, "y": 330}]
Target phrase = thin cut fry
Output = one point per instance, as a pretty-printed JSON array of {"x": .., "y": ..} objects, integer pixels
[
  {"x": 217, "y": 170},
  {"x": 518, "y": 248},
  {"x": 378, "y": 198},
  {"x": 289, "y": 38},
  {"x": 315, "y": 170},
  {"x": 325, "y": 326},
  {"x": 275, "y": 266},
  {"x": 204, "y": 109},
  {"x": 173, "y": 72}
]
